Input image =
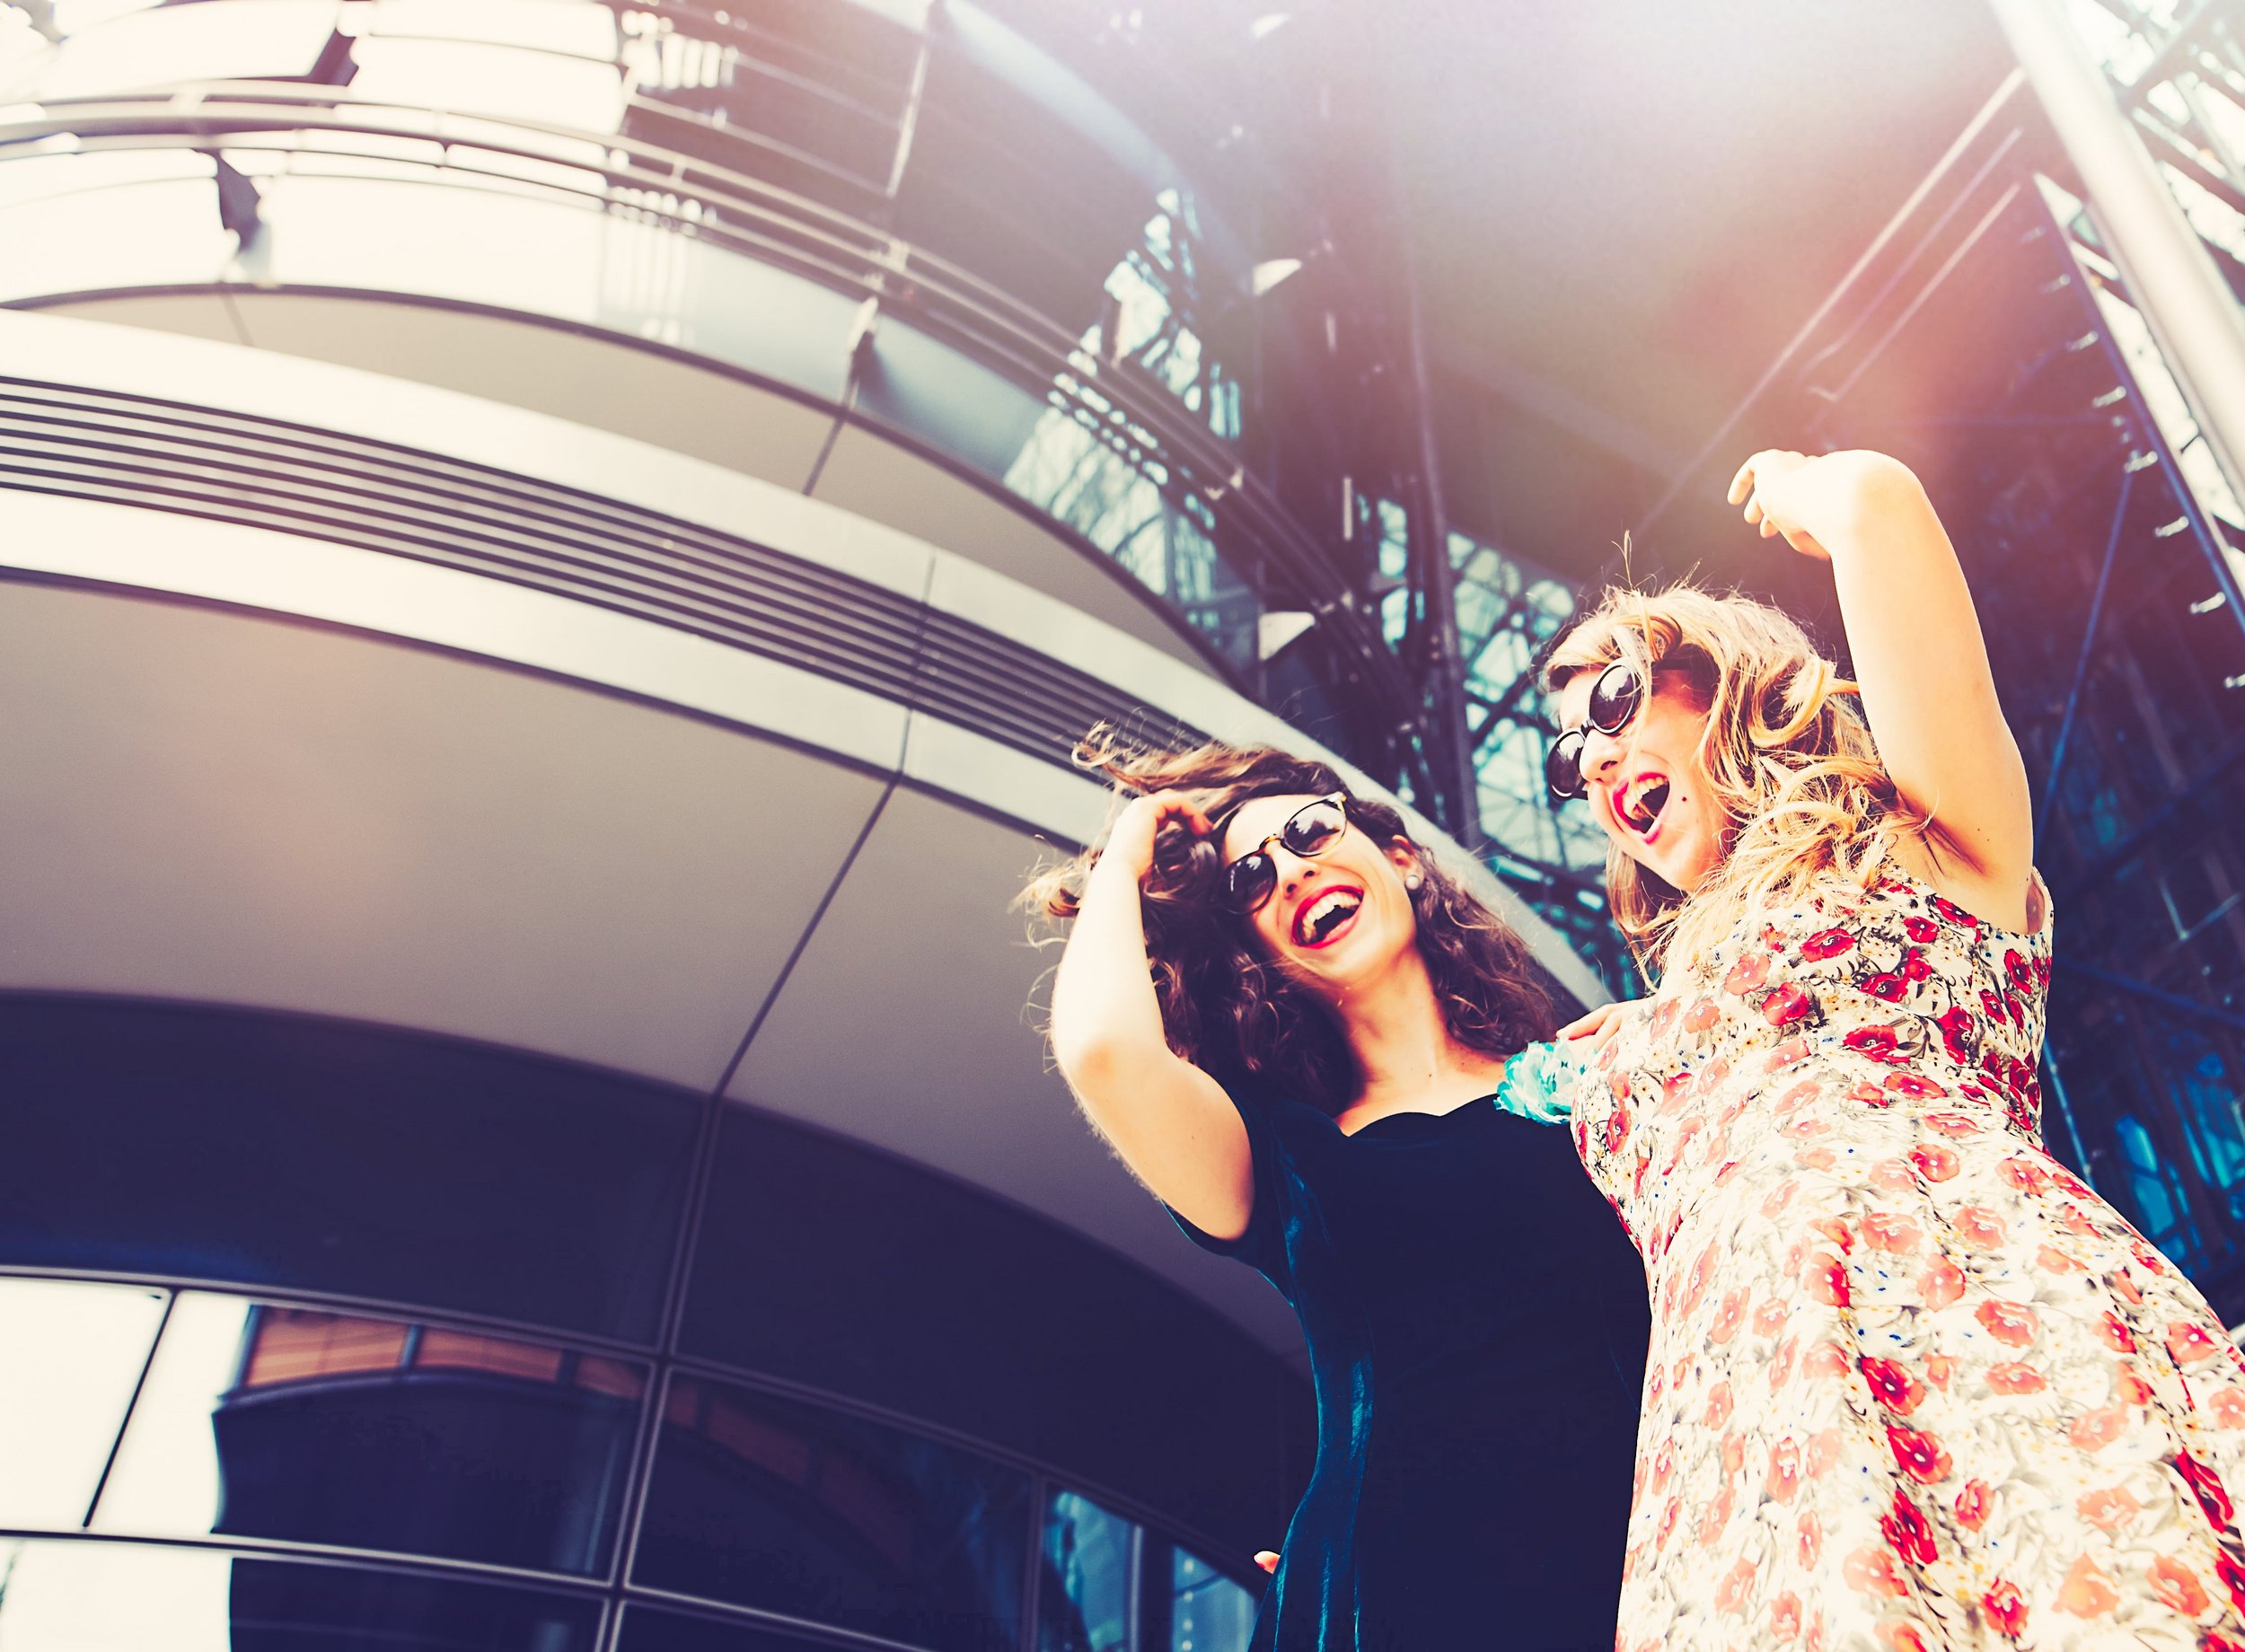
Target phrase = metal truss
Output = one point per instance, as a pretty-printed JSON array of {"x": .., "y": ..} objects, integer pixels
[{"x": 1991, "y": 337}]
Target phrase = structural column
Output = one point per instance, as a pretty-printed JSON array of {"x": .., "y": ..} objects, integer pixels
[{"x": 2171, "y": 276}]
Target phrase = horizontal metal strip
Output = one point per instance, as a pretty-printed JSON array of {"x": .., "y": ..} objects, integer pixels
[
  {"x": 1026, "y": 722},
  {"x": 507, "y": 505},
  {"x": 380, "y": 497},
  {"x": 726, "y": 579}
]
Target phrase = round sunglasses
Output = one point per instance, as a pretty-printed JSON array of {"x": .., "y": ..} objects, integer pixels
[
  {"x": 1309, "y": 831},
  {"x": 1615, "y": 698}
]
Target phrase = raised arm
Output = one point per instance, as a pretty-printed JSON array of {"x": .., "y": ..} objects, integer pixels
[
  {"x": 1172, "y": 1123},
  {"x": 1919, "y": 656}
]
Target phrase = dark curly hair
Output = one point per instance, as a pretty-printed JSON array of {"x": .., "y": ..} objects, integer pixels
[{"x": 1229, "y": 1009}]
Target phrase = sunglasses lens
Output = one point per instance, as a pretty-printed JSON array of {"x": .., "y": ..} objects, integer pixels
[
  {"x": 1313, "y": 831},
  {"x": 1249, "y": 881},
  {"x": 1613, "y": 698},
  {"x": 1563, "y": 766}
]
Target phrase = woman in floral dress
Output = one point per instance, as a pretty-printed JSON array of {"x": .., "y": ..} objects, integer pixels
[{"x": 1913, "y": 1384}]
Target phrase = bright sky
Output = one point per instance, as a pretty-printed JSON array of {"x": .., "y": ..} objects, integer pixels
[{"x": 69, "y": 1356}]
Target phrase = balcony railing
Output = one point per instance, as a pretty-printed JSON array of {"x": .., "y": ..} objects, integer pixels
[{"x": 1120, "y": 435}]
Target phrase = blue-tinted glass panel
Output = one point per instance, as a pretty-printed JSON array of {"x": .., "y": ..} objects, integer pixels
[
  {"x": 244, "y": 1149},
  {"x": 1109, "y": 1585},
  {"x": 1088, "y": 1594},
  {"x": 87, "y": 1597},
  {"x": 69, "y": 1356},
  {"x": 309, "y": 1427},
  {"x": 780, "y": 1505},
  {"x": 1208, "y": 1611}
]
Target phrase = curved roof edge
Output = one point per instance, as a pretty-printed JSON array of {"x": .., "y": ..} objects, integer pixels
[{"x": 378, "y": 592}]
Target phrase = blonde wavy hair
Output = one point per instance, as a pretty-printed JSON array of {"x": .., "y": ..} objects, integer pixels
[{"x": 1787, "y": 747}]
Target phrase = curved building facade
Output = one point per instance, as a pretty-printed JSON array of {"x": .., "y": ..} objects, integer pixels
[{"x": 551, "y": 558}]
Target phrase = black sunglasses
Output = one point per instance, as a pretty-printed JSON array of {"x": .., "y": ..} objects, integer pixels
[
  {"x": 1615, "y": 698},
  {"x": 1309, "y": 831}
]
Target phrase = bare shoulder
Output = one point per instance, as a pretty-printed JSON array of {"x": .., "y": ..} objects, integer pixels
[{"x": 2012, "y": 900}]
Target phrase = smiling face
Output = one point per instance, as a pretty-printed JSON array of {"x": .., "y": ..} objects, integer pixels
[
  {"x": 1335, "y": 920},
  {"x": 1647, "y": 785}
]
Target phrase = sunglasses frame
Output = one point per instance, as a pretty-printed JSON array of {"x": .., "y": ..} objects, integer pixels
[
  {"x": 1581, "y": 735},
  {"x": 1227, "y": 898}
]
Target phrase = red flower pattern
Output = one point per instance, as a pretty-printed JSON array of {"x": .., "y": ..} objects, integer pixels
[
  {"x": 1919, "y": 1454},
  {"x": 1895, "y": 1388},
  {"x": 1749, "y": 972},
  {"x": 2006, "y": 1608},
  {"x": 1906, "y": 1533},
  {"x": 1871, "y": 1279},
  {"x": 2011, "y": 1324},
  {"x": 2207, "y": 1486},
  {"x": 1826, "y": 943}
]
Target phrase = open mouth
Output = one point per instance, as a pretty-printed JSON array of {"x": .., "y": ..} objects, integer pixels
[
  {"x": 1326, "y": 919},
  {"x": 1638, "y": 805}
]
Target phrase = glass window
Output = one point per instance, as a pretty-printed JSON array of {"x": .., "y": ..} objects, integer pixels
[
  {"x": 249, "y": 1150},
  {"x": 929, "y": 1299},
  {"x": 311, "y": 1427},
  {"x": 777, "y": 1505},
  {"x": 86, "y": 1596},
  {"x": 1208, "y": 1611},
  {"x": 1109, "y": 1585},
  {"x": 1086, "y": 1603},
  {"x": 69, "y": 1356},
  {"x": 645, "y": 1630}
]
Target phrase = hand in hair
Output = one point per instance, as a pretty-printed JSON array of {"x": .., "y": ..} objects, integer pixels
[
  {"x": 1130, "y": 841},
  {"x": 1170, "y": 1122}
]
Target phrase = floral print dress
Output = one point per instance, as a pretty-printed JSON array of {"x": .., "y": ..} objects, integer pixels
[{"x": 1912, "y": 1384}]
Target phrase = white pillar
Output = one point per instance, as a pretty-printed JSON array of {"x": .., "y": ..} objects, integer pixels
[{"x": 2197, "y": 321}]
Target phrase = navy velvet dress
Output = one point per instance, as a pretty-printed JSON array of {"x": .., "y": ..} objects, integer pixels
[{"x": 1477, "y": 1327}]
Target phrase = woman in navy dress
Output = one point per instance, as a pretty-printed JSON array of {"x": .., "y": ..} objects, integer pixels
[{"x": 1328, "y": 1059}]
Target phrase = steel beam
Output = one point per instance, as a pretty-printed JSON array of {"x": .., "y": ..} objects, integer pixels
[
  {"x": 2190, "y": 310},
  {"x": 2172, "y": 1002},
  {"x": 2081, "y": 660}
]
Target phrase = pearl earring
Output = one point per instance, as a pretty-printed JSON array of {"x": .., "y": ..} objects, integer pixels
[{"x": 1412, "y": 882}]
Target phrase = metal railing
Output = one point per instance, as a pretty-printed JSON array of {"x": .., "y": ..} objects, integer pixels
[{"x": 1129, "y": 410}]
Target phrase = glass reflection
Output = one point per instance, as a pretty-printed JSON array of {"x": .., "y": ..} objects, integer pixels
[
  {"x": 70, "y": 1354},
  {"x": 1111, "y": 1585},
  {"x": 1208, "y": 1611},
  {"x": 779, "y": 1506},
  {"x": 1091, "y": 1560},
  {"x": 86, "y": 1596},
  {"x": 311, "y": 1427}
]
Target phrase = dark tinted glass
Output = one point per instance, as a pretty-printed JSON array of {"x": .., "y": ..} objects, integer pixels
[
  {"x": 843, "y": 1269},
  {"x": 252, "y": 1150},
  {"x": 645, "y": 1630},
  {"x": 311, "y": 1427},
  {"x": 773, "y": 1504},
  {"x": 70, "y": 1596},
  {"x": 1614, "y": 698}
]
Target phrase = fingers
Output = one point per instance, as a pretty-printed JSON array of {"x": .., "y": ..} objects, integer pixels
[
  {"x": 1741, "y": 483},
  {"x": 1181, "y": 807},
  {"x": 1267, "y": 1559},
  {"x": 1587, "y": 1027},
  {"x": 1600, "y": 1026}
]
